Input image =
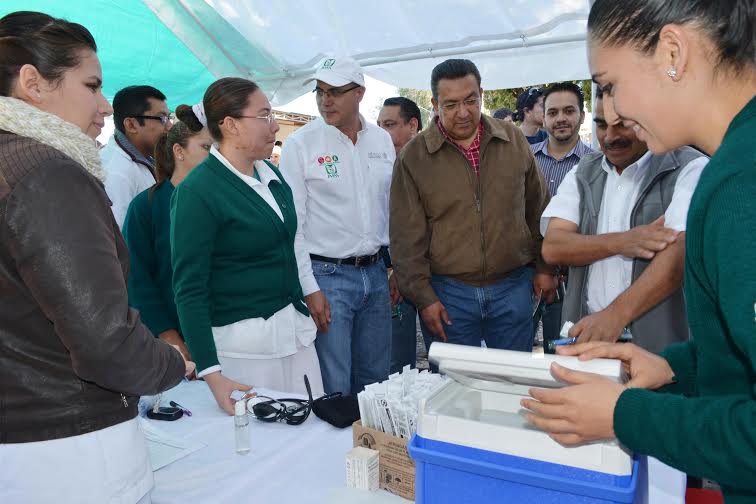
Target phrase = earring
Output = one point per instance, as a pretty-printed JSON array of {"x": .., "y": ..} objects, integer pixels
[
  {"x": 181, "y": 158},
  {"x": 672, "y": 73}
]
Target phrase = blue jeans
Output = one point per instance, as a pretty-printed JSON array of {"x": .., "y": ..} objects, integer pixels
[
  {"x": 404, "y": 337},
  {"x": 500, "y": 313},
  {"x": 356, "y": 350}
]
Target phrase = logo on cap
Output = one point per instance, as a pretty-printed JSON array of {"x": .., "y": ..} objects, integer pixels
[{"x": 328, "y": 64}]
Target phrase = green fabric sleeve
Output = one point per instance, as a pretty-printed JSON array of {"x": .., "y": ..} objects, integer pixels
[
  {"x": 193, "y": 229},
  {"x": 682, "y": 359},
  {"x": 711, "y": 437},
  {"x": 144, "y": 294},
  {"x": 731, "y": 263}
]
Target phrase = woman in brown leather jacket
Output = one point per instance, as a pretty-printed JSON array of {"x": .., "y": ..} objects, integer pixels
[{"x": 73, "y": 357}]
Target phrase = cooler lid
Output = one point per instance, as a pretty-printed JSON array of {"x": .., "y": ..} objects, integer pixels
[{"x": 484, "y": 368}]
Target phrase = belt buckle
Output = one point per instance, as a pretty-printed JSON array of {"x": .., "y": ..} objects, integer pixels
[{"x": 361, "y": 261}]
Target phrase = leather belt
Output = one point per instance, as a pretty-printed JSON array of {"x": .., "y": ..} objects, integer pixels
[{"x": 359, "y": 261}]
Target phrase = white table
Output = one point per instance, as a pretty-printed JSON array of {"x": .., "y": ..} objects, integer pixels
[{"x": 288, "y": 462}]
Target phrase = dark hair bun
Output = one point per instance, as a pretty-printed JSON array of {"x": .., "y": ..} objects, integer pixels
[{"x": 186, "y": 115}]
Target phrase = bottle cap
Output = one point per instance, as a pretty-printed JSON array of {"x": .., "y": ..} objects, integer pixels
[{"x": 240, "y": 408}]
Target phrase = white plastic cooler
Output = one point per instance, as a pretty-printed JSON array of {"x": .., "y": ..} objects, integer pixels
[{"x": 473, "y": 430}]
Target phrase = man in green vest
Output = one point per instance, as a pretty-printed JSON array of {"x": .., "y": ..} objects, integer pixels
[{"x": 618, "y": 220}]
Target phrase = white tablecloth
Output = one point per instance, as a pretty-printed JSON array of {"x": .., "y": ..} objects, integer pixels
[
  {"x": 286, "y": 461},
  {"x": 289, "y": 462}
]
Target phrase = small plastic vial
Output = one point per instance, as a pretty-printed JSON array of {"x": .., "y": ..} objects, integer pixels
[{"x": 241, "y": 427}]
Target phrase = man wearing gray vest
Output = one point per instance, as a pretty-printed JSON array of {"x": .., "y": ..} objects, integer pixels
[{"x": 618, "y": 221}]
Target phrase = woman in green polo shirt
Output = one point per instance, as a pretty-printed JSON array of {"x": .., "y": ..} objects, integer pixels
[
  {"x": 235, "y": 274},
  {"x": 683, "y": 72},
  {"x": 147, "y": 226}
]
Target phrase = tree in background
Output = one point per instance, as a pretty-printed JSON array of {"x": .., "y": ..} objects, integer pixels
[
  {"x": 498, "y": 98},
  {"x": 492, "y": 99},
  {"x": 423, "y": 100}
]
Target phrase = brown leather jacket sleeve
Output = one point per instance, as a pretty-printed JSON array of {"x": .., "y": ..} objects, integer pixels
[
  {"x": 409, "y": 237},
  {"x": 66, "y": 247},
  {"x": 536, "y": 200}
]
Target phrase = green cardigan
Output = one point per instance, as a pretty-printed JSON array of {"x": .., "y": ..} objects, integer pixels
[
  {"x": 705, "y": 424},
  {"x": 233, "y": 257},
  {"x": 147, "y": 230}
]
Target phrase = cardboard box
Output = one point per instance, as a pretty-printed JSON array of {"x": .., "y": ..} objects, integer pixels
[
  {"x": 362, "y": 468},
  {"x": 397, "y": 469}
]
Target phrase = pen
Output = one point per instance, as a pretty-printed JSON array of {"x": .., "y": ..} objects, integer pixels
[
  {"x": 552, "y": 345},
  {"x": 564, "y": 341},
  {"x": 177, "y": 405}
]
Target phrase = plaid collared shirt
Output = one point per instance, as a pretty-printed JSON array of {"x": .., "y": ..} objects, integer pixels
[
  {"x": 472, "y": 153},
  {"x": 554, "y": 170}
]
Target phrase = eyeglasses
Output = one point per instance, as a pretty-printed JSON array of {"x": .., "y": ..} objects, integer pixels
[
  {"x": 333, "y": 92},
  {"x": 268, "y": 117},
  {"x": 291, "y": 411},
  {"x": 163, "y": 119},
  {"x": 468, "y": 103},
  {"x": 534, "y": 90}
]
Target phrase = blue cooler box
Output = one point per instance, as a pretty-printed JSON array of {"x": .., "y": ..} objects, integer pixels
[
  {"x": 449, "y": 473},
  {"x": 474, "y": 445}
]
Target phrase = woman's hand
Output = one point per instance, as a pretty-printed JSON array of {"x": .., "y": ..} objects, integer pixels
[
  {"x": 576, "y": 414},
  {"x": 645, "y": 369},
  {"x": 584, "y": 411},
  {"x": 222, "y": 388}
]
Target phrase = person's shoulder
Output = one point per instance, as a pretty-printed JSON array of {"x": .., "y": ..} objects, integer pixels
[
  {"x": 301, "y": 135},
  {"x": 590, "y": 158},
  {"x": 22, "y": 156},
  {"x": 374, "y": 129},
  {"x": 588, "y": 164},
  {"x": 140, "y": 205},
  {"x": 537, "y": 147},
  {"x": 585, "y": 148},
  {"x": 201, "y": 175},
  {"x": 114, "y": 157},
  {"x": 380, "y": 136},
  {"x": 141, "y": 200},
  {"x": 417, "y": 148}
]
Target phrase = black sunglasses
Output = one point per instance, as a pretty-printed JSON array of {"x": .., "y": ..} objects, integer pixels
[
  {"x": 291, "y": 411},
  {"x": 163, "y": 119}
]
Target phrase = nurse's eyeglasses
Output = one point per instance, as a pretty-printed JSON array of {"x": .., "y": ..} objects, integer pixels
[{"x": 289, "y": 410}]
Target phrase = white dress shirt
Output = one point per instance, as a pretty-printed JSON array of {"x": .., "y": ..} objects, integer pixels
[
  {"x": 259, "y": 338},
  {"x": 611, "y": 276},
  {"x": 341, "y": 192},
  {"x": 124, "y": 178}
]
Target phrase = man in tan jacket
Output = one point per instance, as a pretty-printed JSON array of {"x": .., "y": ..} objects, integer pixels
[{"x": 466, "y": 201}]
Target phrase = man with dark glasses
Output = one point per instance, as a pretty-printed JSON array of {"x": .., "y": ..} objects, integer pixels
[{"x": 141, "y": 117}]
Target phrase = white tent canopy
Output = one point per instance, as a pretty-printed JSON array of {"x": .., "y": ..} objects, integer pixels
[{"x": 279, "y": 43}]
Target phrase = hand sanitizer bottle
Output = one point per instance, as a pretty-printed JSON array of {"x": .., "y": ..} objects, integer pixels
[{"x": 241, "y": 427}]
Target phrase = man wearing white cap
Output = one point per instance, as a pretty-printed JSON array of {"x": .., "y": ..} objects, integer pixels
[{"x": 339, "y": 168}]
